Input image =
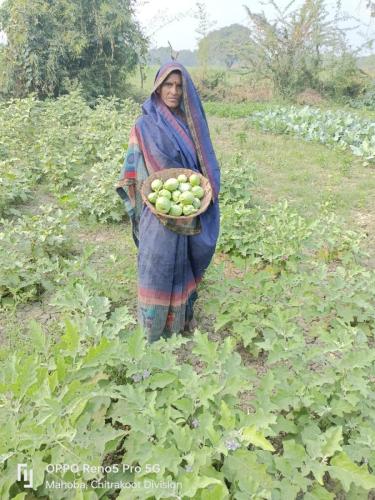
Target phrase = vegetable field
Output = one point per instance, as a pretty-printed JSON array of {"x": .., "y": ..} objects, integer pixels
[{"x": 273, "y": 397}]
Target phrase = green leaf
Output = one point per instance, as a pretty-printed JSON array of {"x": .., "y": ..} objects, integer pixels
[
  {"x": 222, "y": 320},
  {"x": 295, "y": 452},
  {"x": 213, "y": 435},
  {"x": 237, "y": 467},
  {"x": 227, "y": 419},
  {"x": 37, "y": 336},
  {"x": 27, "y": 376},
  {"x": 318, "y": 469},
  {"x": 346, "y": 471},
  {"x": 168, "y": 457},
  {"x": 288, "y": 490},
  {"x": 318, "y": 493},
  {"x": 61, "y": 367},
  {"x": 183, "y": 437},
  {"x": 215, "y": 492},
  {"x": 96, "y": 353},
  {"x": 136, "y": 344},
  {"x": 70, "y": 340},
  {"x": 204, "y": 348},
  {"x": 333, "y": 437},
  {"x": 191, "y": 483},
  {"x": 160, "y": 380},
  {"x": 53, "y": 381},
  {"x": 358, "y": 493},
  {"x": 251, "y": 435},
  {"x": 185, "y": 405},
  {"x": 38, "y": 467}
]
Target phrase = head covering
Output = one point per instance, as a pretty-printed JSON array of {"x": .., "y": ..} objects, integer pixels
[
  {"x": 197, "y": 139},
  {"x": 173, "y": 256}
]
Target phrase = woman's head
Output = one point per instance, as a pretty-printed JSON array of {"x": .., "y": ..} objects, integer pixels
[
  {"x": 170, "y": 90},
  {"x": 174, "y": 76}
]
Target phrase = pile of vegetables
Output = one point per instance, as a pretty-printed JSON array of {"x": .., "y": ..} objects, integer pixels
[{"x": 177, "y": 196}]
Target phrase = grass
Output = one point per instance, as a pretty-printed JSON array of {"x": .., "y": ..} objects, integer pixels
[
  {"x": 306, "y": 174},
  {"x": 244, "y": 109},
  {"x": 235, "y": 110}
]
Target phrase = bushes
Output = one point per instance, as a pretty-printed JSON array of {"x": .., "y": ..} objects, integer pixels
[
  {"x": 77, "y": 150},
  {"x": 210, "y": 84},
  {"x": 341, "y": 77},
  {"x": 365, "y": 99},
  {"x": 32, "y": 252}
]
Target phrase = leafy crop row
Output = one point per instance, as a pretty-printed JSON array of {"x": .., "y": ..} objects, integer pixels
[
  {"x": 313, "y": 331},
  {"x": 277, "y": 234},
  {"x": 101, "y": 396},
  {"x": 76, "y": 153},
  {"x": 328, "y": 127},
  {"x": 32, "y": 253},
  {"x": 365, "y": 100},
  {"x": 64, "y": 143},
  {"x": 290, "y": 418},
  {"x": 15, "y": 186},
  {"x": 301, "y": 305},
  {"x": 94, "y": 400},
  {"x": 19, "y": 167}
]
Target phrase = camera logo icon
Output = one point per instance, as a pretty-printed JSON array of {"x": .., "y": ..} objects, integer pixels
[{"x": 25, "y": 475}]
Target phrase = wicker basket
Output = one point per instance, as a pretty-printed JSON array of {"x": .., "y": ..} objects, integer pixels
[{"x": 175, "y": 172}]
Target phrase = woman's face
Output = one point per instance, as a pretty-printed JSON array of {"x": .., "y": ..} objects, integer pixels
[{"x": 170, "y": 90}]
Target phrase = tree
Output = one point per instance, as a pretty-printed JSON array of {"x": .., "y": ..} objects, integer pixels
[
  {"x": 162, "y": 55},
  {"x": 292, "y": 48},
  {"x": 229, "y": 45},
  {"x": 204, "y": 25},
  {"x": 54, "y": 44},
  {"x": 159, "y": 21}
]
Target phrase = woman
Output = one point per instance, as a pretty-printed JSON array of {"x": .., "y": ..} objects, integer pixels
[{"x": 172, "y": 257}]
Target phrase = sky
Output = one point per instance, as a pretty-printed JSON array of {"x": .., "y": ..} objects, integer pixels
[
  {"x": 173, "y": 20},
  {"x": 181, "y": 32}
]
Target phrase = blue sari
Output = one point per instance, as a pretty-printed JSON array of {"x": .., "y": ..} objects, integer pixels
[{"x": 172, "y": 258}]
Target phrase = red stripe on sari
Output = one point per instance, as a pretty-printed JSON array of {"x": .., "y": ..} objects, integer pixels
[
  {"x": 159, "y": 298},
  {"x": 151, "y": 164}
]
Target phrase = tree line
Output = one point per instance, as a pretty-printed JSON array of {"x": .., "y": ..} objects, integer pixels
[{"x": 56, "y": 45}]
